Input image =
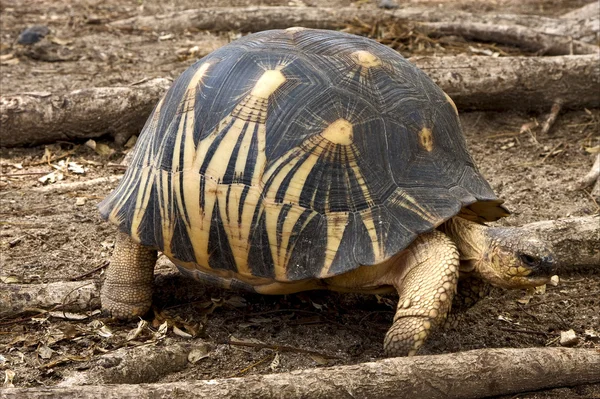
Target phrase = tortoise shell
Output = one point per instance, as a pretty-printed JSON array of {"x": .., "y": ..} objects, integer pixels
[{"x": 296, "y": 154}]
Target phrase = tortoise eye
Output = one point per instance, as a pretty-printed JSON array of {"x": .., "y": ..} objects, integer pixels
[{"x": 529, "y": 260}]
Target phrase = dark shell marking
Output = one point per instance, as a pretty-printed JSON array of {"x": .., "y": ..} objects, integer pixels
[{"x": 295, "y": 154}]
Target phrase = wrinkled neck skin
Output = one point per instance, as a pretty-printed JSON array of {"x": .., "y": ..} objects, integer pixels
[
  {"x": 470, "y": 239},
  {"x": 502, "y": 256}
]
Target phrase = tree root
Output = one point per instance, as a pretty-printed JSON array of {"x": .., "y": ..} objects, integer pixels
[{"x": 472, "y": 374}]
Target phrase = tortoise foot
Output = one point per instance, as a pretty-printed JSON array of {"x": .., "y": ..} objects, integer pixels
[{"x": 127, "y": 289}]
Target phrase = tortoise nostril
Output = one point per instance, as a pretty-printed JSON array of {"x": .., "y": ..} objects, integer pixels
[{"x": 529, "y": 260}]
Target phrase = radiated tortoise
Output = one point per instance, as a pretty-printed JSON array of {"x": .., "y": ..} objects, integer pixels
[{"x": 303, "y": 159}]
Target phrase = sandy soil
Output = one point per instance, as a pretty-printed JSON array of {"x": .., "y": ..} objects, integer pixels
[{"x": 47, "y": 236}]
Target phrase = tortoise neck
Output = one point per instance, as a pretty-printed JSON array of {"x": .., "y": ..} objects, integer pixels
[{"x": 468, "y": 236}]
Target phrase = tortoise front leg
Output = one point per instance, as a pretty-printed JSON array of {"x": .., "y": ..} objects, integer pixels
[
  {"x": 426, "y": 291},
  {"x": 127, "y": 289}
]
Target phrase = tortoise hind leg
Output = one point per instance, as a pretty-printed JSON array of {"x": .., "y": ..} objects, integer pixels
[
  {"x": 426, "y": 293},
  {"x": 127, "y": 289}
]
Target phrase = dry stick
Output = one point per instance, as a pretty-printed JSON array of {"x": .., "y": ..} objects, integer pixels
[
  {"x": 592, "y": 176},
  {"x": 35, "y": 118},
  {"x": 253, "y": 19},
  {"x": 514, "y": 35},
  {"x": 554, "y": 111},
  {"x": 525, "y": 83},
  {"x": 472, "y": 374},
  {"x": 94, "y": 270},
  {"x": 69, "y": 296},
  {"x": 591, "y": 10},
  {"x": 516, "y": 82}
]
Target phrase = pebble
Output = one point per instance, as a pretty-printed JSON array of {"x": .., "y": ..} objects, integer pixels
[
  {"x": 387, "y": 4},
  {"x": 33, "y": 34},
  {"x": 568, "y": 338}
]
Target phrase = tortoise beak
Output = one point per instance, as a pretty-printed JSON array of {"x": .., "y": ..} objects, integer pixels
[{"x": 546, "y": 267}]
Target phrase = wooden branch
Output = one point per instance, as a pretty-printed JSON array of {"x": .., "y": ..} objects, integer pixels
[
  {"x": 525, "y": 83},
  {"x": 133, "y": 365},
  {"x": 35, "y": 118},
  {"x": 254, "y": 19},
  {"x": 473, "y": 374},
  {"x": 515, "y": 35},
  {"x": 591, "y": 10},
  {"x": 592, "y": 177},
  {"x": 575, "y": 241},
  {"x": 63, "y": 295}
]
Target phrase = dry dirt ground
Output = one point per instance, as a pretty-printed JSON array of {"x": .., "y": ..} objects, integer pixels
[{"x": 50, "y": 236}]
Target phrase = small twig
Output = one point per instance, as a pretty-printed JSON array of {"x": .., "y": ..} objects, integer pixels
[
  {"x": 47, "y": 161},
  {"x": 23, "y": 174},
  {"x": 551, "y": 152},
  {"x": 41, "y": 312},
  {"x": 280, "y": 348},
  {"x": 261, "y": 361},
  {"x": 94, "y": 270},
  {"x": 554, "y": 111},
  {"x": 592, "y": 176}
]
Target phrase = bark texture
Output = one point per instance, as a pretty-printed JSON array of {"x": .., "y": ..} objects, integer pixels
[
  {"x": 254, "y": 19},
  {"x": 526, "y": 83},
  {"x": 514, "y": 35},
  {"x": 473, "y": 374},
  {"x": 575, "y": 241},
  {"x": 36, "y": 118},
  {"x": 133, "y": 365},
  {"x": 64, "y": 295}
]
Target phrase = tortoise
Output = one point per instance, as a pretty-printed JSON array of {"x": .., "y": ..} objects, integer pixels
[{"x": 302, "y": 159}]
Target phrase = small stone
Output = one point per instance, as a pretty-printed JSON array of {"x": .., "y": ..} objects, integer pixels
[
  {"x": 80, "y": 201},
  {"x": 33, "y": 34},
  {"x": 387, "y": 4},
  {"x": 568, "y": 338}
]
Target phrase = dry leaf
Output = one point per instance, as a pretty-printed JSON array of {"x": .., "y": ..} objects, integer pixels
[
  {"x": 9, "y": 375},
  {"x": 68, "y": 315},
  {"x": 275, "y": 363},
  {"x": 44, "y": 352},
  {"x": 133, "y": 334},
  {"x": 320, "y": 360},
  {"x": 76, "y": 168},
  {"x": 593, "y": 150},
  {"x": 236, "y": 301},
  {"x": 198, "y": 353},
  {"x": 181, "y": 333},
  {"x": 131, "y": 142},
  {"x": 10, "y": 279}
]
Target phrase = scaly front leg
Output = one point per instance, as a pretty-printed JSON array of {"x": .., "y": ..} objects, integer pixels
[{"x": 427, "y": 285}]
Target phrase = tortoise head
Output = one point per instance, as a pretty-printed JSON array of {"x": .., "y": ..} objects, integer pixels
[{"x": 513, "y": 258}]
